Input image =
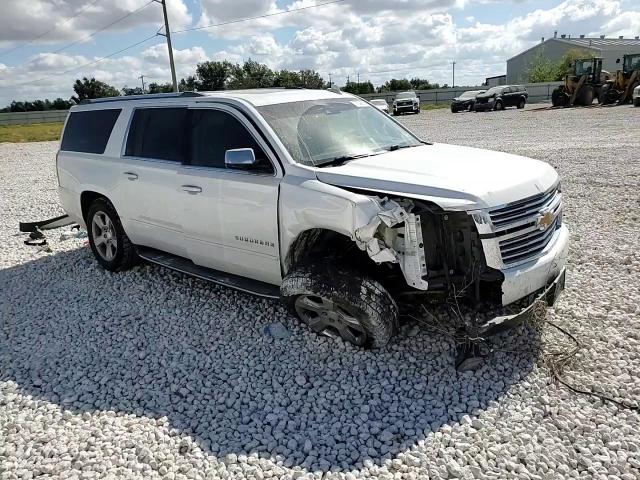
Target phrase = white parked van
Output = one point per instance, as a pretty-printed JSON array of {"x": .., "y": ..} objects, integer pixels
[{"x": 315, "y": 197}]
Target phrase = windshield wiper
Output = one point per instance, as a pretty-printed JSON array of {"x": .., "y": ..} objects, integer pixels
[
  {"x": 393, "y": 148},
  {"x": 341, "y": 160}
]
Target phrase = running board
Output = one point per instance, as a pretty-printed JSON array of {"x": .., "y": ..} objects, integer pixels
[{"x": 184, "y": 265}]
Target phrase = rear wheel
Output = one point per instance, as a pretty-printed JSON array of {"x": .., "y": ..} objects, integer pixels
[
  {"x": 609, "y": 95},
  {"x": 108, "y": 241},
  {"x": 636, "y": 102},
  {"x": 338, "y": 301},
  {"x": 558, "y": 98},
  {"x": 521, "y": 103}
]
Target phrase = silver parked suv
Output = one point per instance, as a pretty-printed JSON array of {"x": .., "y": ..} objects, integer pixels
[{"x": 314, "y": 197}]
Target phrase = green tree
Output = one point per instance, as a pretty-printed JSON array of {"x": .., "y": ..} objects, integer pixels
[
  {"x": 209, "y": 76},
  {"x": 188, "y": 84},
  {"x": 160, "y": 88},
  {"x": 92, "y": 88},
  {"x": 396, "y": 85},
  {"x": 126, "y": 91},
  {"x": 251, "y": 74},
  {"x": 359, "y": 88},
  {"x": 565, "y": 66},
  {"x": 61, "y": 104},
  {"x": 542, "y": 69},
  {"x": 422, "y": 84}
]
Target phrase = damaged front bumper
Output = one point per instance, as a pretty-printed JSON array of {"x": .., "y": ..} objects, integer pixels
[{"x": 547, "y": 297}]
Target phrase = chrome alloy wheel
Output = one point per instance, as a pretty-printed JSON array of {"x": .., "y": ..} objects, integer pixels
[
  {"x": 104, "y": 236},
  {"x": 327, "y": 317}
]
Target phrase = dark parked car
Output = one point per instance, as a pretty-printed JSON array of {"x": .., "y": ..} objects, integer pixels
[
  {"x": 466, "y": 101},
  {"x": 499, "y": 98}
]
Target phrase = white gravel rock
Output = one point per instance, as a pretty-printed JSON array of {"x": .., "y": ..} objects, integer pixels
[{"x": 149, "y": 374}]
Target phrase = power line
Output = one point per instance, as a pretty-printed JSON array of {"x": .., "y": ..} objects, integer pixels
[
  {"x": 86, "y": 64},
  {"x": 50, "y": 30},
  {"x": 267, "y": 15},
  {"x": 103, "y": 28}
]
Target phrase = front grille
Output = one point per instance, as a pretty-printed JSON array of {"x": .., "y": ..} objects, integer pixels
[
  {"x": 405, "y": 103},
  {"x": 516, "y": 226}
]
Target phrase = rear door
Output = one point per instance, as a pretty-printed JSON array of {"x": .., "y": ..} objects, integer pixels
[
  {"x": 507, "y": 97},
  {"x": 230, "y": 217},
  {"x": 154, "y": 151}
]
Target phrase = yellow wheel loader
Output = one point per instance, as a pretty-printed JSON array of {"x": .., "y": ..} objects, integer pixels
[
  {"x": 583, "y": 85},
  {"x": 620, "y": 88}
]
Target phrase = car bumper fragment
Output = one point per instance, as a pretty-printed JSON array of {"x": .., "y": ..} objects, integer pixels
[{"x": 547, "y": 297}]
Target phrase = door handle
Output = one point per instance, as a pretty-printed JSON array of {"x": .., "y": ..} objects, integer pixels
[
  {"x": 131, "y": 176},
  {"x": 192, "y": 189}
]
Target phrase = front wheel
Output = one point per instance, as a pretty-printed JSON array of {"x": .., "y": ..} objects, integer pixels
[
  {"x": 338, "y": 301},
  {"x": 108, "y": 241},
  {"x": 636, "y": 102},
  {"x": 498, "y": 105}
]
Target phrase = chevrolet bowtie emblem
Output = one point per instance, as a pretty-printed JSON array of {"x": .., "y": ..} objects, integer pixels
[{"x": 545, "y": 220}]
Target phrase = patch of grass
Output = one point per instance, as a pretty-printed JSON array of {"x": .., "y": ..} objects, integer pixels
[
  {"x": 37, "y": 132},
  {"x": 434, "y": 106}
]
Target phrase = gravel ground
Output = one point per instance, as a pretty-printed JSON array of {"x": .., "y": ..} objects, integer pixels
[{"x": 150, "y": 374}]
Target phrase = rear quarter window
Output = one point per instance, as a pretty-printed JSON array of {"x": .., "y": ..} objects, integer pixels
[{"x": 89, "y": 131}]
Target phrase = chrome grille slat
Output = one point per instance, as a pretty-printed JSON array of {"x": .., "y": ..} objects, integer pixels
[{"x": 515, "y": 227}]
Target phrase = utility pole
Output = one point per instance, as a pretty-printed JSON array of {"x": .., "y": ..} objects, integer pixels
[
  {"x": 141, "y": 77},
  {"x": 167, "y": 35},
  {"x": 453, "y": 82},
  {"x": 330, "y": 82},
  {"x": 358, "y": 82}
]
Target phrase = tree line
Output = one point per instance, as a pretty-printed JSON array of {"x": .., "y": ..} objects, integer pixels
[{"x": 219, "y": 75}]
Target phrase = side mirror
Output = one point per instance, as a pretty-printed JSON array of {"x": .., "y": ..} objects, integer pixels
[
  {"x": 240, "y": 158},
  {"x": 617, "y": 60}
]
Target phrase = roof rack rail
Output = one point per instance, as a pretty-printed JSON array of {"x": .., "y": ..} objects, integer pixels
[{"x": 147, "y": 96}]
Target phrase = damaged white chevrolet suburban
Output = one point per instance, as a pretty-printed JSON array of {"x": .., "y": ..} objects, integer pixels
[{"x": 315, "y": 197}]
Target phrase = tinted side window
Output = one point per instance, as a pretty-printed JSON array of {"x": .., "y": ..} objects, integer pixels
[
  {"x": 158, "y": 133},
  {"x": 214, "y": 132},
  {"x": 89, "y": 131}
]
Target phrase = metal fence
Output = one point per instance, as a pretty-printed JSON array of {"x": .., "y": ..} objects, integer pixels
[
  {"x": 538, "y": 92},
  {"x": 27, "y": 118}
]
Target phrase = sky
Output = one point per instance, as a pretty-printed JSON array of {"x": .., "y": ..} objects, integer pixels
[{"x": 46, "y": 44}]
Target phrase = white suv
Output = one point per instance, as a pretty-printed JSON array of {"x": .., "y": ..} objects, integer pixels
[{"x": 316, "y": 197}]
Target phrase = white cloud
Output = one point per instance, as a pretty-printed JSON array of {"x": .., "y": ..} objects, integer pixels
[
  {"x": 378, "y": 39},
  {"x": 30, "y": 18}
]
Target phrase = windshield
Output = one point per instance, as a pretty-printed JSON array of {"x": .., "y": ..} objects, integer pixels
[
  {"x": 379, "y": 102},
  {"x": 404, "y": 95},
  {"x": 470, "y": 94},
  {"x": 584, "y": 67},
  {"x": 493, "y": 90},
  {"x": 318, "y": 132},
  {"x": 631, "y": 63}
]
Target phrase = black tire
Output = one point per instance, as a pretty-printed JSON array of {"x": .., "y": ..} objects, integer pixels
[
  {"x": 558, "y": 98},
  {"x": 636, "y": 102},
  {"x": 521, "y": 103},
  {"x": 453, "y": 109},
  {"x": 498, "y": 105},
  {"x": 585, "y": 96},
  {"x": 125, "y": 255},
  {"x": 608, "y": 95},
  {"x": 364, "y": 299}
]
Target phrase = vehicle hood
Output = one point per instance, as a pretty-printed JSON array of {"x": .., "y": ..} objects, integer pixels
[
  {"x": 453, "y": 177},
  {"x": 484, "y": 95}
]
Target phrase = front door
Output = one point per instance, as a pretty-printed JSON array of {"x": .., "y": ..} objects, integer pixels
[{"x": 230, "y": 219}]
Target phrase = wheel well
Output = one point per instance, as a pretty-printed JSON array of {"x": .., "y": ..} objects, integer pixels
[
  {"x": 317, "y": 243},
  {"x": 86, "y": 199}
]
